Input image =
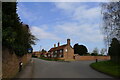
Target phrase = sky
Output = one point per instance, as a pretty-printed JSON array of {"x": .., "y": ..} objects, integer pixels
[{"x": 53, "y": 22}]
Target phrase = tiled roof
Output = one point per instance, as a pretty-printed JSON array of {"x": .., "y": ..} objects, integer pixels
[{"x": 57, "y": 48}]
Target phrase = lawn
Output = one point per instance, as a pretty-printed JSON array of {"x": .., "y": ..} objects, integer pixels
[{"x": 107, "y": 67}]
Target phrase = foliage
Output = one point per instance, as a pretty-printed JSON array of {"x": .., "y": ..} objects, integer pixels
[
  {"x": 114, "y": 50},
  {"x": 44, "y": 51},
  {"x": 76, "y": 49},
  {"x": 16, "y": 35},
  {"x": 95, "y": 52},
  {"x": 0, "y": 22},
  {"x": 111, "y": 21},
  {"x": 103, "y": 50},
  {"x": 80, "y": 49},
  {"x": 107, "y": 67}
]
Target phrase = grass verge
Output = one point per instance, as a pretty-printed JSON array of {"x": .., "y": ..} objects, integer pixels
[{"x": 107, "y": 67}]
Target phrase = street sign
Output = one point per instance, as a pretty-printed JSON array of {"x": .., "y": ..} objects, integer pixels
[{"x": 30, "y": 50}]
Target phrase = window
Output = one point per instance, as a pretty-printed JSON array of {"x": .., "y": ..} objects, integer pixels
[
  {"x": 55, "y": 51},
  {"x": 61, "y": 51},
  {"x": 61, "y": 55},
  {"x": 55, "y": 55},
  {"x": 52, "y": 56}
]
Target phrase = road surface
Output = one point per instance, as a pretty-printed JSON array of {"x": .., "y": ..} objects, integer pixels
[{"x": 56, "y": 69}]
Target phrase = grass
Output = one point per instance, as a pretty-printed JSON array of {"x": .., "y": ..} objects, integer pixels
[
  {"x": 51, "y": 59},
  {"x": 107, "y": 67}
]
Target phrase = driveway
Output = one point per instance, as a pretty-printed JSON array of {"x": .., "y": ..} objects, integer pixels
[{"x": 56, "y": 69}]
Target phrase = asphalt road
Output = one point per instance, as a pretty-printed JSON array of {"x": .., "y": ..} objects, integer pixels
[{"x": 55, "y": 69}]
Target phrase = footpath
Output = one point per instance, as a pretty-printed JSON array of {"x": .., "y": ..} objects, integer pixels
[{"x": 26, "y": 72}]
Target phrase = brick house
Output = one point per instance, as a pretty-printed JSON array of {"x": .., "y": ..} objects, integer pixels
[
  {"x": 37, "y": 53},
  {"x": 62, "y": 51}
]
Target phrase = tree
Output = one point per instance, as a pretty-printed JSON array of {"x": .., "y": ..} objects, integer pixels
[
  {"x": 80, "y": 49},
  {"x": 103, "y": 50},
  {"x": 95, "y": 52},
  {"x": 111, "y": 21},
  {"x": 15, "y": 35},
  {"x": 44, "y": 51},
  {"x": 83, "y": 49},
  {"x": 76, "y": 48},
  {"x": 114, "y": 50}
]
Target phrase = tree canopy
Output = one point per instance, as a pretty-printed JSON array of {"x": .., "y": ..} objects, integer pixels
[
  {"x": 80, "y": 49},
  {"x": 95, "y": 52},
  {"x": 15, "y": 35},
  {"x": 114, "y": 50}
]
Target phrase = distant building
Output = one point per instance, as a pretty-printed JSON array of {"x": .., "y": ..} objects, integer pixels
[
  {"x": 36, "y": 54},
  {"x": 62, "y": 51}
]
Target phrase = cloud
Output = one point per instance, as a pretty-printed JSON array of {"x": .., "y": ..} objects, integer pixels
[
  {"x": 79, "y": 11},
  {"x": 86, "y": 20},
  {"x": 26, "y": 13},
  {"x": 82, "y": 13},
  {"x": 41, "y": 33},
  {"x": 77, "y": 21},
  {"x": 85, "y": 32}
]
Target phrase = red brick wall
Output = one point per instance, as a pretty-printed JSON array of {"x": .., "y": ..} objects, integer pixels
[
  {"x": 10, "y": 63},
  {"x": 77, "y": 57},
  {"x": 69, "y": 54}
]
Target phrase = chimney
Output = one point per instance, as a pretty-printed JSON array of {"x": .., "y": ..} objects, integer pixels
[
  {"x": 54, "y": 45},
  {"x": 58, "y": 44},
  {"x": 68, "y": 41}
]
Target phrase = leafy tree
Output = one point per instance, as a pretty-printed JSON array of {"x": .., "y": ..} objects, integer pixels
[
  {"x": 83, "y": 49},
  {"x": 15, "y": 35},
  {"x": 44, "y": 51},
  {"x": 76, "y": 48},
  {"x": 0, "y": 22},
  {"x": 95, "y": 52},
  {"x": 103, "y": 50},
  {"x": 80, "y": 49}
]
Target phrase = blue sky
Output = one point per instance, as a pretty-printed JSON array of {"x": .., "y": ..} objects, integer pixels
[{"x": 53, "y": 22}]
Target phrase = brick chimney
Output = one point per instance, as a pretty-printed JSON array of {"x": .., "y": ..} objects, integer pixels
[
  {"x": 68, "y": 41},
  {"x": 54, "y": 45},
  {"x": 58, "y": 44}
]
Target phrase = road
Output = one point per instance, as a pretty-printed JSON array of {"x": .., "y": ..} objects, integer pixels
[{"x": 55, "y": 69}]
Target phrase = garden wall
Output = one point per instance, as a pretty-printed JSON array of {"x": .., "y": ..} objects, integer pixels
[
  {"x": 10, "y": 63},
  {"x": 77, "y": 57}
]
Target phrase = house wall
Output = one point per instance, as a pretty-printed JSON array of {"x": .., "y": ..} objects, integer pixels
[
  {"x": 77, "y": 57},
  {"x": 69, "y": 54},
  {"x": 10, "y": 63}
]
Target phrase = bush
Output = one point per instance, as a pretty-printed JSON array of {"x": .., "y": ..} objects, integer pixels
[{"x": 94, "y": 54}]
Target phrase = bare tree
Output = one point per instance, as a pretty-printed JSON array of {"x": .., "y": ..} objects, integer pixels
[{"x": 111, "y": 21}]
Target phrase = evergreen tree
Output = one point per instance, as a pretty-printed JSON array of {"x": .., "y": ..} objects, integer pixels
[
  {"x": 80, "y": 49},
  {"x": 114, "y": 50},
  {"x": 15, "y": 35}
]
